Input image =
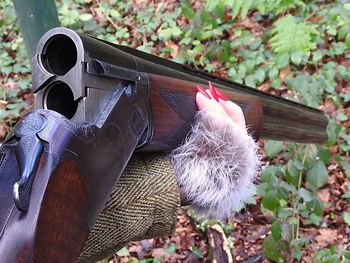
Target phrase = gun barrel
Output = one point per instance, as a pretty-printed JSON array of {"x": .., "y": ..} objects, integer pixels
[{"x": 66, "y": 57}]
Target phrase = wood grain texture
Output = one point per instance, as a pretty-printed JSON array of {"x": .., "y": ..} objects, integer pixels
[
  {"x": 265, "y": 117},
  {"x": 294, "y": 118},
  {"x": 174, "y": 110},
  {"x": 54, "y": 228},
  {"x": 64, "y": 213}
]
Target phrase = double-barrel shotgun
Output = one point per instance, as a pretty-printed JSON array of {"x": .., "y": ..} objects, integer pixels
[{"x": 96, "y": 103}]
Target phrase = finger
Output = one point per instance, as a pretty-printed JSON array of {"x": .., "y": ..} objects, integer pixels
[
  {"x": 202, "y": 90},
  {"x": 201, "y": 101},
  {"x": 210, "y": 105},
  {"x": 221, "y": 95},
  {"x": 210, "y": 94},
  {"x": 234, "y": 112},
  {"x": 213, "y": 91}
]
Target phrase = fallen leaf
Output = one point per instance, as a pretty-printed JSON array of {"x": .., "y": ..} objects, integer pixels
[
  {"x": 324, "y": 195},
  {"x": 326, "y": 237},
  {"x": 175, "y": 48}
]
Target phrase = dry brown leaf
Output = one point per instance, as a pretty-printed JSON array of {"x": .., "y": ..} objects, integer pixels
[
  {"x": 3, "y": 104},
  {"x": 175, "y": 48},
  {"x": 11, "y": 85},
  {"x": 307, "y": 259},
  {"x": 3, "y": 130},
  {"x": 326, "y": 237},
  {"x": 324, "y": 195},
  {"x": 164, "y": 256},
  {"x": 284, "y": 73}
]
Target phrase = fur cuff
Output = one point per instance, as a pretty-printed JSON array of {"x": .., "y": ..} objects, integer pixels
[{"x": 216, "y": 167}]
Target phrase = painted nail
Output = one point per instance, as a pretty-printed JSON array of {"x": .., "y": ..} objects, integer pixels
[
  {"x": 202, "y": 90},
  {"x": 221, "y": 95},
  {"x": 213, "y": 91}
]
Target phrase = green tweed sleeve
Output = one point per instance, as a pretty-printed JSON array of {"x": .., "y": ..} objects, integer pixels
[{"x": 143, "y": 205}]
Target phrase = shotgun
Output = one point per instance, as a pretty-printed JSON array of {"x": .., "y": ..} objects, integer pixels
[{"x": 96, "y": 103}]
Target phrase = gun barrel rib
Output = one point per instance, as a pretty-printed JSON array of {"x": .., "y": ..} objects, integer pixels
[{"x": 281, "y": 119}]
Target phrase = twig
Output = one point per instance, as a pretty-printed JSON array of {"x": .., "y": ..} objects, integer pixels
[{"x": 106, "y": 15}]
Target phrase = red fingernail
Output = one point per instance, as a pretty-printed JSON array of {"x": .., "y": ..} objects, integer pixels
[
  {"x": 202, "y": 90},
  {"x": 221, "y": 95},
  {"x": 213, "y": 91}
]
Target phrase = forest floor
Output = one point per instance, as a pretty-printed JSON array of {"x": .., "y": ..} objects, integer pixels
[{"x": 248, "y": 43}]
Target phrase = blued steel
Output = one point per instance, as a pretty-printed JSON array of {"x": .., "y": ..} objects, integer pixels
[
  {"x": 28, "y": 149},
  {"x": 99, "y": 150},
  {"x": 88, "y": 111},
  {"x": 35, "y": 17},
  {"x": 60, "y": 49}
]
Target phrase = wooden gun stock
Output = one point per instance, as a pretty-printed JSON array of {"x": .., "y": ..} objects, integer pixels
[
  {"x": 55, "y": 227},
  {"x": 174, "y": 110}
]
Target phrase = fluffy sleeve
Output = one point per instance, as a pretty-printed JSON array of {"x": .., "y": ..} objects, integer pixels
[{"x": 216, "y": 167}]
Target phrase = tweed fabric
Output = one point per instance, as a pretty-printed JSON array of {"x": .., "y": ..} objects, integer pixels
[{"x": 143, "y": 205}]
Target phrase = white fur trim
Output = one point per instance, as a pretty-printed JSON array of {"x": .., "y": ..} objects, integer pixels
[{"x": 215, "y": 168}]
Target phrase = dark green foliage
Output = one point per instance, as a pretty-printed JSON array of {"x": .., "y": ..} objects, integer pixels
[{"x": 297, "y": 49}]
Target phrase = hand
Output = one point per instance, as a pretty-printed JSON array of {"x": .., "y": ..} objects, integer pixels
[{"x": 226, "y": 112}]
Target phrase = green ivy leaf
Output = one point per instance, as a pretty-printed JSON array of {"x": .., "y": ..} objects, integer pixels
[
  {"x": 341, "y": 117},
  {"x": 317, "y": 56},
  {"x": 315, "y": 206},
  {"x": 346, "y": 195},
  {"x": 228, "y": 229},
  {"x": 282, "y": 61},
  {"x": 170, "y": 32},
  {"x": 346, "y": 217},
  {"x": 276, "y": 230},
  {"x": 269, "y": 175},
  {"x": 285, "y": 212},
  {"x": 85, "y": 17},
  {"x": 296, "y": 57},
  {"x": 333, "y": 131},
  {"x": 292, "y": 173},
  {"x": 197, "y": 252},
  {"x": 275, "y": 250},
  {"x": 276, "y": 84},
  {"x": 273, "y": 73},
  {"x": 261, "y": 189},
  {"x": 346, "y": 254},
  {"x": 283, "y": 203},
  {"x": 171, "y": 248},
  {"x": 272, "y": 148},
  {"x": 124, "y": 252},
  {"x": 237, "y": 4},
  {"x": 317, "y": 176},
  {"x": 306, "y": 195},
  {"x": 271, "y": 201},
  {"x": 187, "y": 10},
  {"x": 259, "y": 76},
  {"x": 298, "y": 254},
  {"x": 287, "y": 230},
  {"x": 324, "y": 155},
  {"x": 315, "y": 219}
]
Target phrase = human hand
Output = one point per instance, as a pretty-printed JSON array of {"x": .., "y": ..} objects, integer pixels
[{"x": 226, "y": 112}]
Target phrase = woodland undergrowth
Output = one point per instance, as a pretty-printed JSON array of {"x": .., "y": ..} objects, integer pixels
[{"x": 291, "y": 48}]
